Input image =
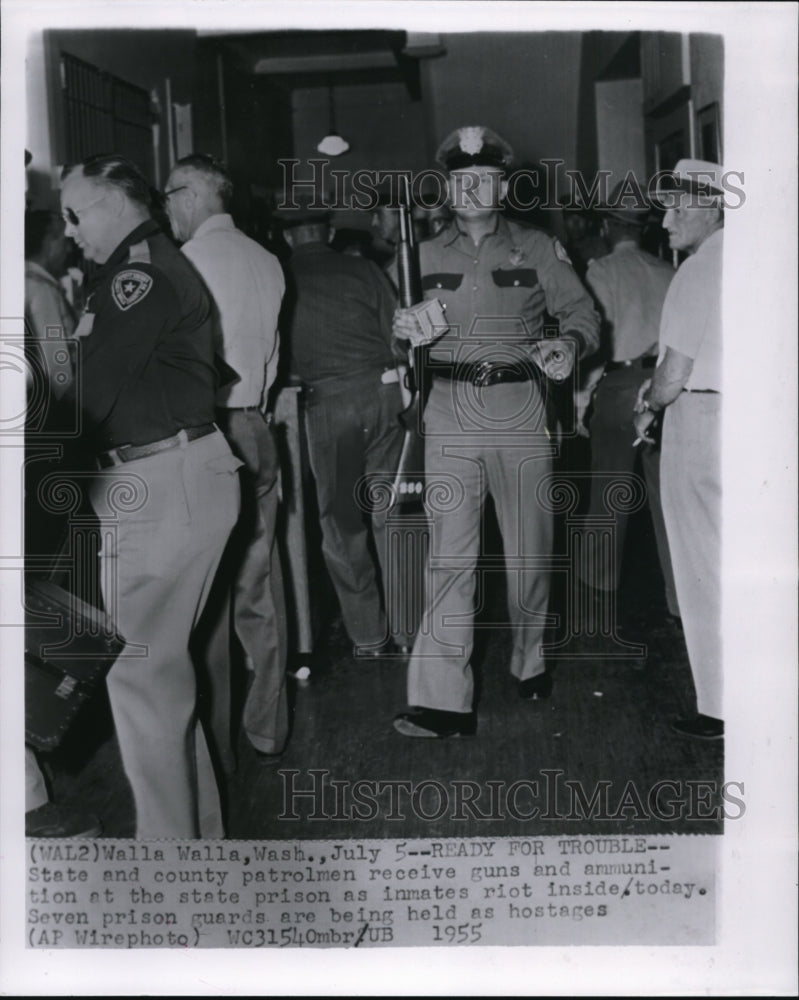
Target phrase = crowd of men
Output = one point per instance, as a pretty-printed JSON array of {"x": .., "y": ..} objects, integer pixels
[{"x": 179, "y": 341}]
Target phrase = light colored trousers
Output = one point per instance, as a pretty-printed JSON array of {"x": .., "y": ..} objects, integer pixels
[
  {"x": 690, "y": 470},
  {"x": 165, "y": 521},
  {"x": 479, "y": 441}
]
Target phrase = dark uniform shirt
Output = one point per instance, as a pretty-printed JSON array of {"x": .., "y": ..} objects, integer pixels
[
  {"x": 145, "y": 362},
  {"x": 497, "y": 293},
  {"x": 338, "y": 312}
]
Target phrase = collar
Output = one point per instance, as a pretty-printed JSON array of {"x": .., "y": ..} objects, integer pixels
[
  {"x": 221, "y": 220},
  {"x": 31, "y": 267},
  {"x": 147, "y": 228},
  {"x": 454, "y": 232},
  {"x": 712, "y": 243},
  {"x": 625, "y": 245}
]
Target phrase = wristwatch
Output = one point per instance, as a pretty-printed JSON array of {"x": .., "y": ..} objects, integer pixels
[{"x": 648, "y": 406}]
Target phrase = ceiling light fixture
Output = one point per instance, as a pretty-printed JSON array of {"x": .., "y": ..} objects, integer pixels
[{"x": 333, "y": 144}]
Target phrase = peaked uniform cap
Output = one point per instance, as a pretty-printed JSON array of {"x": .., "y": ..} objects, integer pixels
[{"x": 473, "y": 146}]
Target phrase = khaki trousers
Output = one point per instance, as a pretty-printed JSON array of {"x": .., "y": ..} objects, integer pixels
[
  {"x": 480, "y": 441},
  {"x": 164, "y": 520},
  {"x": 690, "y": 470}
]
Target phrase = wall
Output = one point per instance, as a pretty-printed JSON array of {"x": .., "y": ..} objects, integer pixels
[
  {"x": 385, "y": 129},
  {"x": 707, "y": 72},
  {"x": 524, "y": 86},
  {"x": 143, "y": 58},
  {"x": 620, "y": 128}
]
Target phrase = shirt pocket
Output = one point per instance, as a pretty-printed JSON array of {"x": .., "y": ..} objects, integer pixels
[
  {"x": 517, "y": 277},
  {"x": 441, "y": 280}
]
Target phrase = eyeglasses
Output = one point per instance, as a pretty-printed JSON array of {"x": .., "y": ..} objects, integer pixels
[
  {"x": 171, "y": 191},
  {"x": 72, "y": 215}
]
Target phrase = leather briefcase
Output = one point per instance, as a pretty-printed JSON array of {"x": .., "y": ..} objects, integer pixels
[{"x": 69, "y": 648}]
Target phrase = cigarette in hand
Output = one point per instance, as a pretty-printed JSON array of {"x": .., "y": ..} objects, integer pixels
[{"x": 637, "y": 442}]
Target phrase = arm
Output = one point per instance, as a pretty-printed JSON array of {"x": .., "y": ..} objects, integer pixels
[
  {"x": 571, "y": 305},
  {"x": 669, "y": 380},
  {"x": 567, "y": 300}
]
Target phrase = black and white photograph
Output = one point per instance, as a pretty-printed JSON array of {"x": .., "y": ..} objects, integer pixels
[{"x": 398, "y": 429}]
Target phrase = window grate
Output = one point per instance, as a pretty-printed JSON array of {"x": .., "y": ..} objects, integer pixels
[{"x": 103, "y": 114}]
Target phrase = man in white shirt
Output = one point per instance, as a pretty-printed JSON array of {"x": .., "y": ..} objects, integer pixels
[
  {"x": 247, "y": 285},
  {"x": 629, "y": 286},
  {"x": 687, "y": 385}
]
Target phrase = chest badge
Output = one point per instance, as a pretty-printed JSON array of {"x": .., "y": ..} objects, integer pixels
[
  {"x": 516, "y": 256},
  {"x": 130, "y": 287}
]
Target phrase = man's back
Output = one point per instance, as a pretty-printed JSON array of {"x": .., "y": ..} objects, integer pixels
[
  {"x": 247, "y": 285},
  {"x": 338, "y": 314},
  {"x": 630, "y": 286}
]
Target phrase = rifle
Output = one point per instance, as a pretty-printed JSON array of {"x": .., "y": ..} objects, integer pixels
[{"x": 409, "y": 479}]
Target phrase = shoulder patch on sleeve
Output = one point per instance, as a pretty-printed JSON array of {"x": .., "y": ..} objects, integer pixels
[
  {"x": 139, "y": 253},
  {"x": 560, "y": 251},
  {"x": 130, "y": 287}
]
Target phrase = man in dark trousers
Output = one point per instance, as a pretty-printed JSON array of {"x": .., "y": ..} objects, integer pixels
[
  {"x": 166, "y": 491},
  {"x": 338, "y": 327}
]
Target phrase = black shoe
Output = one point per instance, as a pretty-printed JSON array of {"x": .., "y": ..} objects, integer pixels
[
  {"x": 375, "y": 651},
  {"x": 701, "y": 727},
  {"x": 51, "y": 820},
  {"x": 435, "y": 724},
  {"x": 536, "y": 688}
]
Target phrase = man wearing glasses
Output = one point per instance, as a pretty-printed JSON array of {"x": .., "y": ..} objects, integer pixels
[
  {"x": 166, "y": 492},
  {"x": 247, "y": 286}
]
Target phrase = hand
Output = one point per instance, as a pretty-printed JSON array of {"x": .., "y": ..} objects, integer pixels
[
  {"x": 556, "y": 358},
  {"x": 642, "y": 422},
  {"x": 639, "y": 402},
  {"x": 405, "y": 326}
]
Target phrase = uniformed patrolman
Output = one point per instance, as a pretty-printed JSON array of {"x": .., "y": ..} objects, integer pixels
[
  {"x": 485, "y": 425},
  {"x": 687, "y": 386},
  {"x": 167, "y": 483}
]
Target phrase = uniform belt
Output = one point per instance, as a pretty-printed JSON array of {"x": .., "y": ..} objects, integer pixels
[
  {"x": 131, "y": 452},
  {"x": 648, "y": 361},
  {"x": 483, "y": 373}
]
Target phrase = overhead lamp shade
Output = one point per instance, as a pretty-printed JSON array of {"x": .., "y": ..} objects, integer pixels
[{"x": 333, "y": 144}]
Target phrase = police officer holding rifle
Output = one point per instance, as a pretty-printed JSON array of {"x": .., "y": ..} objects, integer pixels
[{"x": 484, "y": 425}]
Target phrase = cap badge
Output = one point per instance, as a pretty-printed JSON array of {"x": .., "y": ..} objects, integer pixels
[{"x": 471, "y": 139}]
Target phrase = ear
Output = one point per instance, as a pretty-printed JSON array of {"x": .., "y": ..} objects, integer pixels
[
  {"x": 116, "y": 201},
  {"x": 503, "y": 189},
  {"x": 331, "y": 233},
  {"x": 288, "y": 236}
]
